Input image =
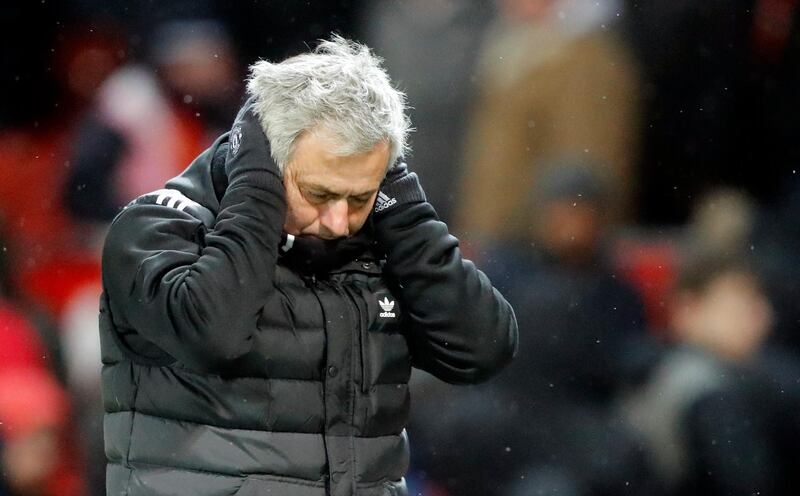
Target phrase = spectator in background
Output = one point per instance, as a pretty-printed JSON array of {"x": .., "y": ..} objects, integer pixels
[
  {"x": 547, "y": 423},
  {"x": 718, "y": 412},
  {"x": 33, "y": 417},
  {"x": 430, "y": 48},
  {"x": 560, "y": 278},
  {"x": 49, "y": 250},
  {"x": 34, "y": 409},
  {"x": 81, "y": 349},
  {"x": 727, "y": 221},
  {"x": 555, "y": 83},
  {"x": 146, "y": 125},
  {"x": 723, "y": 221}
]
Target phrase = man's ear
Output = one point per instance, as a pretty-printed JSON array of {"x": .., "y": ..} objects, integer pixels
[{"x": 288, "y": 175}]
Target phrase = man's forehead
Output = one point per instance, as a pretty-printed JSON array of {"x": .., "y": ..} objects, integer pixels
[{"x": 315, "y": 166}]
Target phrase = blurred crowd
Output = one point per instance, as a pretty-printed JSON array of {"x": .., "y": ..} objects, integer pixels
[{"x": 624, "y": 171}]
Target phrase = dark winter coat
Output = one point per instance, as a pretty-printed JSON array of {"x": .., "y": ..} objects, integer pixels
[{"x": 232, "y": 368}]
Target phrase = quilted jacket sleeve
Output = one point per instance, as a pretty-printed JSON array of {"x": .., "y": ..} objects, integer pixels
[
  {"x": 196, "y": 292},
  {"x": 461, "y": 329}
]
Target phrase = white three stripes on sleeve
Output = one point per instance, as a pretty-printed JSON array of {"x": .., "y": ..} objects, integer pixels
[{"x": 175, "y": 197}]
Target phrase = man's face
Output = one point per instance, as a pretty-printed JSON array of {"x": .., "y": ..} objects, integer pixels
[
  {"x": 571, "y": 230},
  {"x": 731, "y": 317},
  {"x": 330, "y": 196}
]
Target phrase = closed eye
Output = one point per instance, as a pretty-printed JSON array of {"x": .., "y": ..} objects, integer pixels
[
  {"x": 360, "y": 200},
  {"x": 316, "y": 196}
]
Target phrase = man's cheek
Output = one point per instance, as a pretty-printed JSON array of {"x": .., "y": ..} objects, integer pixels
[
  {"x": 357, "y": 221},
  {"x": 299, "y": 216}
]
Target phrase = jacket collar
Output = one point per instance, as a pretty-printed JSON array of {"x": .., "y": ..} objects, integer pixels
[{"x": 320, "y": 257}]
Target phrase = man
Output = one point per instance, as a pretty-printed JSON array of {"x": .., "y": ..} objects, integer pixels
[
  {"x": 262, "y": 314},
  {"x": 721, "y": 380},
  {"x": 584, "y": 106},
  {"x": 585, "y": 342}
]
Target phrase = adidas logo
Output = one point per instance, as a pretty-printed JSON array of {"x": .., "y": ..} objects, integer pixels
[
  {"x": 383, "y": 201},
  {"x": 387, "y": 307},
  {"x": 386, "y": 304}
]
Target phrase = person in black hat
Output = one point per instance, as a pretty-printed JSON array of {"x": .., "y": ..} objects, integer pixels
[{"x": 547, "y": 421}]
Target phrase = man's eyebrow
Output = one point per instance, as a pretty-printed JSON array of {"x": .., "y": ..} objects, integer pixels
[{"x": 326, "y": 191}]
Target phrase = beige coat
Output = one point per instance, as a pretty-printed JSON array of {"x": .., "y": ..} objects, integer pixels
[{"x": 546, "y": 96}]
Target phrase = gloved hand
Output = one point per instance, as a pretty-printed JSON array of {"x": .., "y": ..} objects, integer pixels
[
  {"x": 399, "y": 188},
  {"x": 248, "y": 148}
]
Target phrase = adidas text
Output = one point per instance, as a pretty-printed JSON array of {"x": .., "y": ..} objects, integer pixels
[
  {"x": 384, "y": 201},
  {"x": 384, "y": 206}
]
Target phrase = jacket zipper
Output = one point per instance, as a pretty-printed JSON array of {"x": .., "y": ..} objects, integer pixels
[
  {"x": 363, "y": 324},
  {"x": 311, "y": 282},
  {"x": 355, "y": 311},
  {"x": 343, "y": 291}
]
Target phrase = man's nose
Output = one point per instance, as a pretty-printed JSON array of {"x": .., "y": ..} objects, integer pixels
[{"x": 334, "y": 218}]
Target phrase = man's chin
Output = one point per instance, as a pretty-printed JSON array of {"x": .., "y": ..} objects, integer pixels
[
  {"x": 324, "y": 238},
  {"x": 314, "y": 236}
]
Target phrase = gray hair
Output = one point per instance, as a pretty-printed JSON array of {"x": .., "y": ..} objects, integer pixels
[{"x": 340, "y": 89}]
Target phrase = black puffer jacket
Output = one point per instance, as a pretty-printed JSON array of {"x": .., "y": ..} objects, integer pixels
[{"x": 231, "y": 368}]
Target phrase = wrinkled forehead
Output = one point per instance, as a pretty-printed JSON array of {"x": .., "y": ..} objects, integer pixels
[
  {"x": 317, "y": 162},
  {"x": 339, "y": 144}
]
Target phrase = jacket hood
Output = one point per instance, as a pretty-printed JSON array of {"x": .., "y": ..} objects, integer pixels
[{"x": 204, "y": 180}]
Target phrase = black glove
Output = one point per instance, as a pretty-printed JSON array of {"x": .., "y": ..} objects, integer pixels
[
  {"x": 399, "y": 188},
  {"x": 248, "y": 148}
]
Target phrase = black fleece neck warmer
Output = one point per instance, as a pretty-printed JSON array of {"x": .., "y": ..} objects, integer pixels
[{"x": 318, "y": 257}]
